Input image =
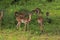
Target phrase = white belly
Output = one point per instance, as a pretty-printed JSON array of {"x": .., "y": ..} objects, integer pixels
[{"x": 22, "y": 21}]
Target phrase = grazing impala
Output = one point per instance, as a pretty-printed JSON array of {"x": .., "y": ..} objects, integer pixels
[
  {"x": 20, "y": 17},
  {"x": 1, "y": 16}
]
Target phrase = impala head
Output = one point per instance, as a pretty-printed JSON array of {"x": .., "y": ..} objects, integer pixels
[
  {"x": 16, "y": 14},
  {"x": 20, "y": 15},
  {"x": 37, "y": 11}
]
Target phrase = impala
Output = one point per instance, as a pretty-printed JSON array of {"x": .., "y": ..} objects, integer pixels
[
  {"x": 20, "y": 17},
  {"x": 40, "y": 18}
]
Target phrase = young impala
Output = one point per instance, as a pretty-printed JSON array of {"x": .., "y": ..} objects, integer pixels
[
  {"x": 20, "y": 17},
  {"x": 1, "y": 16},
  {"x": 40, "y": 18}
]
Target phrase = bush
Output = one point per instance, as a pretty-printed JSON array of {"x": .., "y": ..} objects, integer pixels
[{"x": 49, "y": 0}]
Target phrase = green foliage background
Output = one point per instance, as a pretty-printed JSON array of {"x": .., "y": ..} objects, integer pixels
[
  {"x": 8, "y": 29},
  {"x": 9, "y": 21}
]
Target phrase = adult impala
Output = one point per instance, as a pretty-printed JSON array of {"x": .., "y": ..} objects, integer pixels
[{"x": 21, "y": 18}]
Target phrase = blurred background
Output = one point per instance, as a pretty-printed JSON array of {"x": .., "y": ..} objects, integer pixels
[{"x": 9, "y": 22}]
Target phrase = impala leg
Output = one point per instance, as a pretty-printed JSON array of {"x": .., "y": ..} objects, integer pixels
[
  {"x": 41, "y": 28},
  {"x": 25, "y": 26},
  {"x": 28, "y": 26},
  {"x": 0, "y": 24},
  {"x": 18, "y": 25}
]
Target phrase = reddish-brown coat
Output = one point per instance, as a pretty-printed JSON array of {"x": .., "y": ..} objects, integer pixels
[{"x": 20, "y": 17}]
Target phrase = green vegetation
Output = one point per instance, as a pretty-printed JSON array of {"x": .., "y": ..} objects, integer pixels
[{"x": 9, "y": 31}]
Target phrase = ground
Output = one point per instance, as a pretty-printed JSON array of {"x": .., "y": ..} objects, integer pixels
[{"x": 20, "y": 35}]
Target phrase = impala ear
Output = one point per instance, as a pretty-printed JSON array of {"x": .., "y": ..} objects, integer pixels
[{"x": 16, "y": 13}]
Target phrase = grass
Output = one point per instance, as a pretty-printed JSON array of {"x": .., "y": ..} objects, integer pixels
[
  {"x": 9, "y": 31},
  {"x": 20, "y": 35}
]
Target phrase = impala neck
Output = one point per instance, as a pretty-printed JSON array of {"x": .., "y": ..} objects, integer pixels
[{"x": 29, "y": 17}]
